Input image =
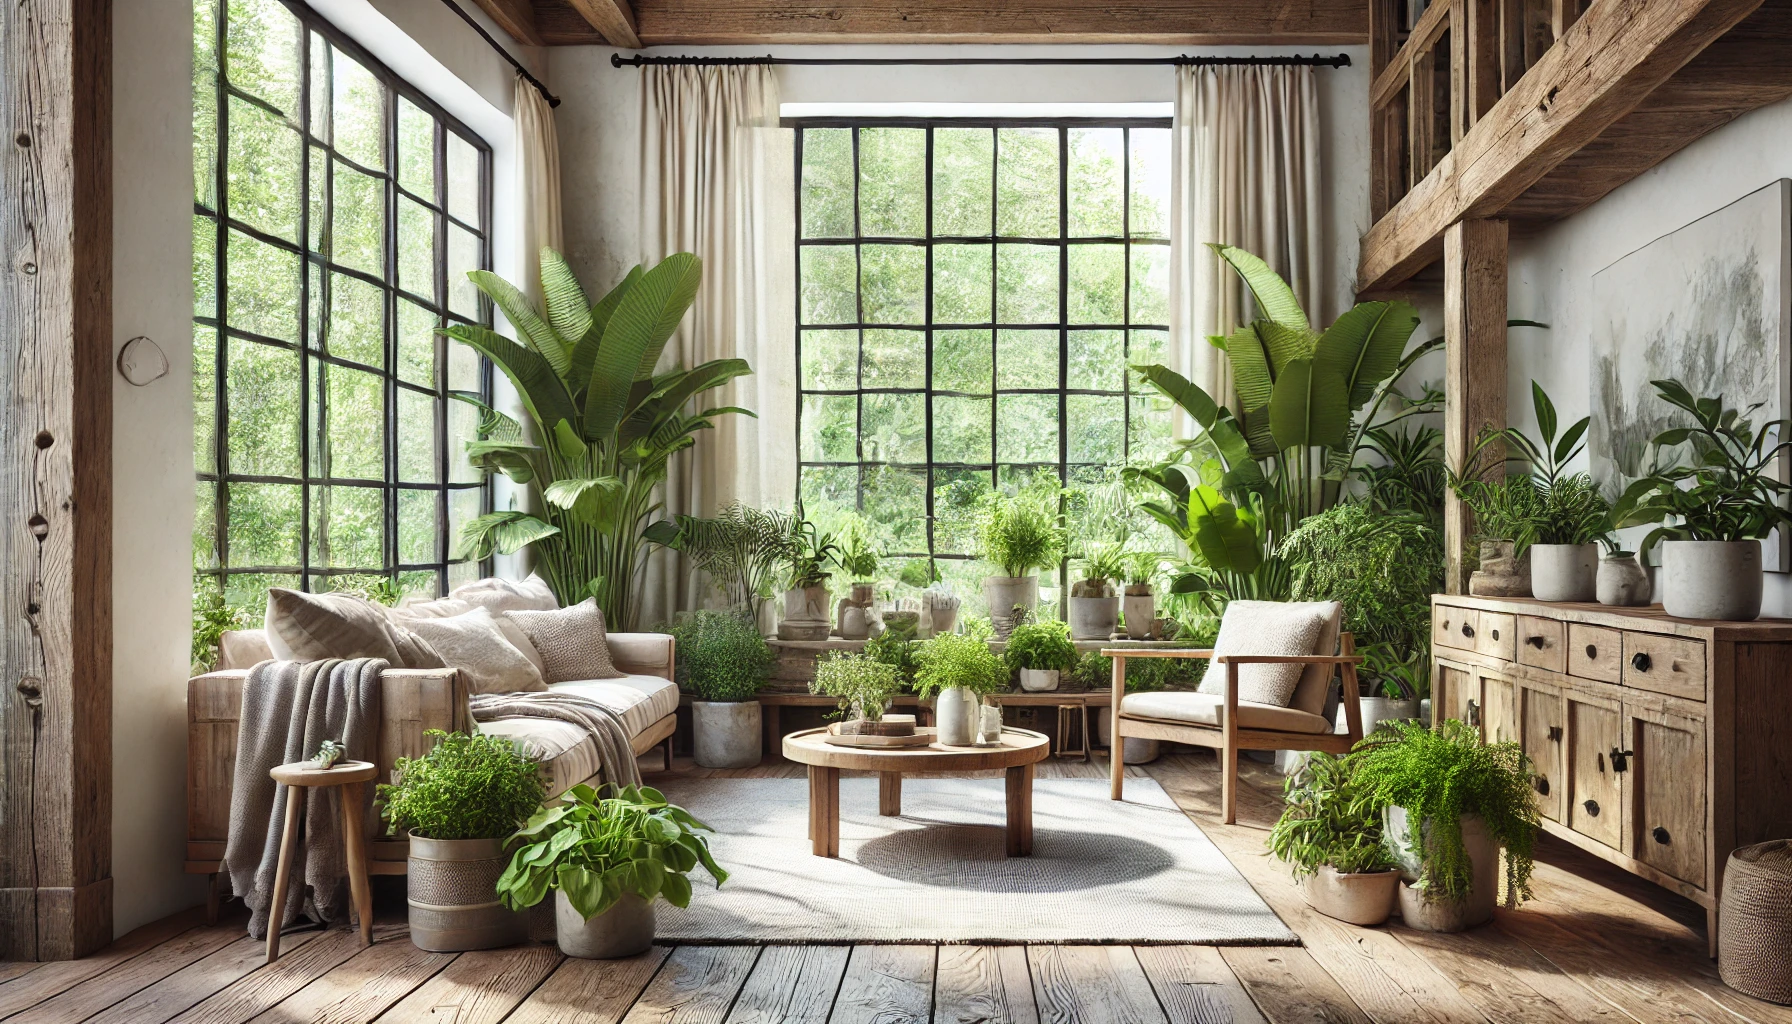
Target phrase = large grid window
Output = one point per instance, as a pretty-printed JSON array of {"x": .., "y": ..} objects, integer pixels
[
  {"x": 970, "y": 296},
  {"x": 336, "y": 214}
]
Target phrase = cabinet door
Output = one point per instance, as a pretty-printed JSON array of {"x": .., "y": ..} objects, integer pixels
[
  {"x": 1500, "y": 714},
  {"x": 1456, "y": 693},
  {"x": 1542, "y": 734},
  {"x": 1668, "y": 800},
  {"x": 1595, "y": 791}
]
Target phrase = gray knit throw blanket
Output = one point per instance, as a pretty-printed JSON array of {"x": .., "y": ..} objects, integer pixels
[
  {"x": 289, "y": 708},
  {"x": 614, "y": 755}
]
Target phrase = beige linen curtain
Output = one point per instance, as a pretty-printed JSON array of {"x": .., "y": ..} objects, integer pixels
[
  {"x": 716, "y": 180},
  {"x": 537, "y": 183},
  {"x": 1244, "y": 172}
]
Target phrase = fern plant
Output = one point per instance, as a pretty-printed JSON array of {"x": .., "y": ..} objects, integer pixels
[
  {"x": 742, "y": 549},
  {"x": 1019, "y": 534}
]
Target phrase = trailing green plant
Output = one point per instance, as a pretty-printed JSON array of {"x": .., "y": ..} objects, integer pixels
[
  {"x": 742, "y": 549},
  {"x": 1041, "y": 646},
  {"x": 860, "y": 683},
  {"x": 1328, "y": 819},
  {"x": 465, "y": 787},
  {"x": 212, "y": 618},
  {"x": 1565, "y": 508},
  {"x": 897, "y": 651},
  {"x": 605, "y": 425},
  {"x": 1441, "y": 775},
  {"x": 958, "y": 659},
  {"x": 1019, "y": 534},
  {"x": 720, "y": 655},
  {"x": 809, "y": 551},
  {"x": 857, "y": 556},
  {"x": 1728, "y": 490},
  {"x": 595, "y": 847}
]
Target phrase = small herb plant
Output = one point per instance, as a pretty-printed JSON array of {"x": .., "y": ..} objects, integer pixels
[
  {"x": 1727, "y": 491},
  {"x": 1141, "y": 567},
  {"x": 860, "y": 683},
  {"x": 1019, "y": 534},
  {"x": 958, "y": 659},
  {"x": 1328, "y": 819},
  {"x": 897, "y": 651},
  {"x": 595, "y": 847},
  {"x": 1041, "y": 646},
  {"x": 721, "y": 656},
  {"x": 857, "y": 558},
  {"x": 1441, "y": 775},
  {"x": 466, "y": 787}
]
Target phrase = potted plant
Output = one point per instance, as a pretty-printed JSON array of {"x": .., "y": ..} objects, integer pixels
[
  {"x": 957, "y": 669},
  {"x": 722, "y": 661},
  {"x": 1713, "y": 509},
  {"x": 1139, "y": 606},
  {"x": 459, "y": 803},
  {"x": 1040, "y": 652},
  {"x": 1330, "y": 835},
  {"x": 743, "y": 550},
  {"x": 1505, "y": 510},
  {"x": 806, "y": 603},
  {"x": 1094, "y": 603},
  {"x": 862, "y": 684},
  {"x": 859, "y": 562},
  {"x": 607, "y": 857},
  {"x": 1395, "y": 682},
  {"x": 1019, "y": 536},
  {"x": 1451, "y": 802}
]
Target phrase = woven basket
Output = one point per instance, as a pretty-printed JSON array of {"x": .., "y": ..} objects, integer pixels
[{"x": 1754, "y": 922}]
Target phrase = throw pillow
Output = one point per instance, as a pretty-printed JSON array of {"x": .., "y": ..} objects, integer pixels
[
  {"x": 571, "y": 642},
  {"x": 476, "y": 645},
  {"x": 311, "y": 627},
  {"x": 498, "y": 595},
  {"x": 1265, "y": 627}
]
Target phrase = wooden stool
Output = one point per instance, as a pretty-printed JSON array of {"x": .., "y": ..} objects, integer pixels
[{"x": 353, "y": 777}]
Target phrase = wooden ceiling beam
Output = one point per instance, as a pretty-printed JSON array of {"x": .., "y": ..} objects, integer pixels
[
  {"x": 516, "y": 17},
  {"x": 1607, "y": 64},
  {"x": 613, "y": 19}
]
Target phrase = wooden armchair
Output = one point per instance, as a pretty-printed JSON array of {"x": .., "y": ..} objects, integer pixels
[{"x": 1229, "y": 725}]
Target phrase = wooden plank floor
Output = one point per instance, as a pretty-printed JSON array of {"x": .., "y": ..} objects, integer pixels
[{"x": 1596, "y": 945}]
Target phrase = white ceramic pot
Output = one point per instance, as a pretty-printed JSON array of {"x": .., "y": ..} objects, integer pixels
[
  {"x": 805, "y": 614},
  {"x": 1363, "y": 899},
  {"x": 945, "y": 612},
  {"x": 1038, "y": 680},
  {"x": 625, "y": 929},
  {"x": 1711, "y": 579},
  {"x": 1136, "y": 749},
  {"x": 955, "y": 716},
  {"x": 727, "y": 733},
  {"x": 855, "y": 622},
  {"x": 1432, "y": 915},
  {"x": 1140, "y": 610},
  {"x": 1093, "y": 618},
  {"x": 451, "y": 886},
  {"x": 1622, "y": 581},
  {"x": 1003, "y": 593},
  {"x": 1564, "y": 572},
  {"x": 1376, "y": 710}
]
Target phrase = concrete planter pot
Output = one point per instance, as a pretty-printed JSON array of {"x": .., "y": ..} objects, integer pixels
[
  {"x": 1094, "y": 618},
  {"x": 1362, "y": 899},
  {"x": 1711, "y": 579},
  {"x": 1039, "y": 680},
  {"x": 956, "y": 716},
  {"x": 451, "y": 886},
  {"x": 1002, "y": 594},
  {"x": 626, "y": 929},
  {"x": 805, "y": 614},
  {"x": 727, "y": 733},
  {"x": 1622, "y": 581},
  {"x": 1141, "y": 611},
  {"x": 1430, "y": 915},
  {"x": 943, "y": 609},
  {"x": 1376, "y": 710},
  {"x": 1564, "y": 572},
  {"x": 855, "y": 613}
]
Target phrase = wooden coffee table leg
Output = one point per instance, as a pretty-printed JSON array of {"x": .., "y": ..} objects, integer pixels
[
  {"x": 1020, "y": 811},
  {"x": 824, "y": 811},
  {"x": 889, "y": 794}
]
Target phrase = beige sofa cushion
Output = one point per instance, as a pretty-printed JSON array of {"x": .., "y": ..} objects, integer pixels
[
  {"x": 500, "y": 595},
  {"x": 570, "y": 640},
  {"x": 447, "y": 607},
  {"x": 311, "y": 627},
  {"x": 567, "y": 754},
  {"x": 1205, "y": 708},
  {"x": 243, "y": 648},
  {"x": 1269, "y": 628},
  {"x": 476, "y": 643}
]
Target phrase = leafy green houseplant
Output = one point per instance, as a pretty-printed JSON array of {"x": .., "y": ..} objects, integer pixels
[
  {"x": 1444, "y": 791},
  {"x": 607, "y": 855},
  {"x": 604, "y": 424},
  {"x": 898, "y": 652},
  {"x": 1330, "y": 834},
  {"x": 862, "y": 684},
  {"x": 723, "y": 661},
  {"x": 459, "y": 803},
  {"x": 1040, "y": 652},
  {"x": 1017, "y": 535},
  {"x": 742, "y": 549},
  {"x": 956, "y": 669},
  {"x": 1094, "y": 604},
  {"x": 809, "y": 553},
  {"x": 1712, "y": 506}
]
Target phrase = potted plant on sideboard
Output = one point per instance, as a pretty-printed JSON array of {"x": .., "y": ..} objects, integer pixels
[
  {"x": 1139, "y": 606},
  {"x": 722, "y": 661},
  {"x": 1711, "y": 510},
  {"x": 957, "y": 669},
  {"x": 806, "y": 603},
  {"x": 1040, "y": 652},
  {"x": 1094, "y": 605},
  {"x": 1018, "y": 535},
  {"x": 1330, "y": 835},
  {"x": 857, "y": 558},
  {"x": 459, "y": 803},
  {"x": 606, "y": 857}
]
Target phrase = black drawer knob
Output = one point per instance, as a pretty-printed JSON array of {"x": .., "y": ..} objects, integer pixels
[
  {"x": 1555, "y": 733},
  {"x": 1542, "y": 785},
  {"x": 1640, "y": 661},
  {"x": 1534, "y": 641},
  {"x": 1468, "y": 630},
  {"x": 1592, "y": 807},
  {"x": 1592, "y": 653},
  {"x": 1496, "y": 634},
  {"x": 1661, "y": 835}
]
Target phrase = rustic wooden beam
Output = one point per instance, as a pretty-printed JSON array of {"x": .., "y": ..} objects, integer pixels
[
  {"x": 516, "y": 17},
  {"x": 613, "y": 19},
  {"x": 1609, "y": 61},
  {"x": 1481, "y": 42},
  {"x": 1475, "y": 362},
  {"x": 56, "y": 442},
  {"x": 1431, "y": 27}
]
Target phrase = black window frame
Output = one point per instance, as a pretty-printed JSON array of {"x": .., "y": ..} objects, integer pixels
[{"x": 313, "y": 355}]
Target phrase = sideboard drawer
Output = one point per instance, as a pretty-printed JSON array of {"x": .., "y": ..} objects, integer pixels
[
  {"x": 1496, "y": 636},
  {"x": 1595, "y": 652},
  {"x": 1454, "y": 627},
  {"x": 1542, "y": 643},
  {"x": 1665, "y": 664}
]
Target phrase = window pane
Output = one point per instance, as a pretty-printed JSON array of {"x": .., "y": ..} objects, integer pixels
[
  {"x": 827, "y": 183},
  {"x": 463, "y": 427},
  {"x": 893, "y": 182},
  {"x": 466, "y": 368},
  {"x": 893, "y": 279},
  {"x": 263, "y": 524},
  {"x": 1027, "y": 359},
  {"x": 1150, "y": 284},
  {"x": 1148, "y": 348},
  {"x": 464, "y": 506},
  {"x": 417, "y": 455},
  {"x": 205, "y": 525},
  {"x": 416, "y": 248},
  {"x": 417, "y": 344},
  {"x": 1150, "y": 428},
  {"x": 1027, "y": 428},
  {"x": 416, "y": 149},
  {"x": 824, "y": 486},
  {"x": 894, "y": 428},
  {"x": 263, "y": 58},
  {"x": 1027, "y": 182},
  {"x": 963, "y": 181},
  {"x": 895, "y": 359},
  {"x": 463, "y": 181},
  {"x": 895, "y": 504},
  {"x": 348, "y": 527},
  {"x": 1096, "y": 186},
  {"x": 1095, "y": 427},
  {"x": 417, "y": 515},
  {"x": 830, "y": 428},
  {"x": 263, "y": 408},
  {"x": 830, "y": 360},
  {"x": 463, "y": 572},
  {"x": 1097, "y": 284},
  {"x": 963, "y": 361},
  {"x": 205, "y": 267},
  {"x": 263, "y": 287},
  {"x": 830, "y": 284},
  {"x": 358, "y": 221},
  {"x": 205, "y": 126},
  {"x": 351, "y": 322},
  {"x": 358, "y": 112},
  {"x": 961, "y": 430},
  {"x": 961, "y": 284},
  {"x": 264, "y": 171},
  {"x": 205, "y": 398},
  {"x": 1096, "y": 361},
  {"x": 1026, "y": 284},
  {"x": 1149, "y": 175},
  {"x": 956, "y": 495},
  {"x": 463, "y": 256},
  {"x": 354, "y": 416}
]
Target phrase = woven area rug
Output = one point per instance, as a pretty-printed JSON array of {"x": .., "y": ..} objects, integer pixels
[{"x": 1134, "y": 872}]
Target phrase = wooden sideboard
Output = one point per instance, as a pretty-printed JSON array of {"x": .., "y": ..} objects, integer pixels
[{"x": 1661, "y": 744}]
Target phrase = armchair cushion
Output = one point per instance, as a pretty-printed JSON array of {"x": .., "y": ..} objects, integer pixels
[
  {"x": 1271, "y": 628},
  {"x": 1205, "y": 709}
]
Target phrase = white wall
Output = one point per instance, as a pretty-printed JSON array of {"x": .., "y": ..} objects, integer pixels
[
  {"x": 599, "y": 126},
  {"x": 1551, "y": 273}
]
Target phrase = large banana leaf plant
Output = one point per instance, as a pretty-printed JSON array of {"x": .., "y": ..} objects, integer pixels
[{"x": 605, "y": 425}]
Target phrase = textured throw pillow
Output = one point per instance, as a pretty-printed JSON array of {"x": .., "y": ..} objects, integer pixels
[
  {"x": 476, "y": 645},
  {"x": 311, "y": 627},
  {"x": 1265, "y": 627},
  {"x": 496, "y": 595},
  {"x": 571, "y": 642}
]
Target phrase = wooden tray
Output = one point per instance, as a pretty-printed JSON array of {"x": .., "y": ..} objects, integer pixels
[{"x": 924, "y": 736}]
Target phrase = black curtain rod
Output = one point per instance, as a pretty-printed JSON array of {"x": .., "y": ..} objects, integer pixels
[
  {"x": 1341, "y": 60},
  {"x": 553, "y": 100}
]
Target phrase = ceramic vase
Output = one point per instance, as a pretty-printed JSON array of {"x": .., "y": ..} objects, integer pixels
[
  {"x": 1141, "y": 610},
  {"x": 1363, "y": 899},
  {"x": 1623, "y": 582},
  {"x": 1003, "y": 594},
  {"x": 956, "y": 716},
  {"x": 1093, "y": 618},
  {"x": 1436, "y": 915}
]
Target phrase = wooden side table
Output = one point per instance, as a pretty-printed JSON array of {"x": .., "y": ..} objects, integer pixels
[{"x": 353, "y": 777}]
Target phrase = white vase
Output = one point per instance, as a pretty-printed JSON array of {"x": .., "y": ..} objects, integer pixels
[
  {"x": 1622, "y": 582},
  {"x": 1038, "y": 680},
  {"x": 1711, "y": 579},
  {"x": 956, "y": 715},
  {"x": 1140, "y": 610},
  {"x": 855, "y": 622},
  {"x": 1435, "y": 915},
  {"x": 1363, "y": 899},
  {"x": 1564, "y": 572},
  {"x": 1003, "y": 594},
  {"x": 726, "y": 734}
]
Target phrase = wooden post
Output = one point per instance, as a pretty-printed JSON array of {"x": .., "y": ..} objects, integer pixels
[
  {"x": 56, "y": 441},
  {"x": 1481, "y": 34},
  {"x": 1475, "y": 353}
]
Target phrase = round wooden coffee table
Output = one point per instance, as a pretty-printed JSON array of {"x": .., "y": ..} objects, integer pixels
[{"x": 1021, "y": 749}]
